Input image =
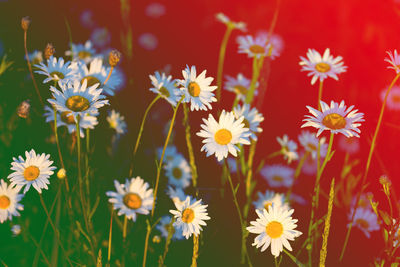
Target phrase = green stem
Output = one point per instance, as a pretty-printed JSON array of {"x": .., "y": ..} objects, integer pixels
[
  {"x": 190, "y": 146},
  {"x": 167, "y": 242},
  {"x": 141, "y": 131},
  {"x": 110, "y": 237},
  {"x": 221, "y": 59},
  {"x": 320, "y": 94},
  {"x": 316, "y": 195},
  {"x": 56, "y": 232},
  {"x": 58, "y": 146},
  {"x": 293, "y": 258},
  {"x": 257, "y": 65},
  {"x": 371, "y": 151},
  {"x": 195, "y": 250},
  {"x": 159, "y": 167}
]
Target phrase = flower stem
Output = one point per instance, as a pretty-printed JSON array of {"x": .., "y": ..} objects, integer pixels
[
  {"x": 30, "y": 69},
  {"x": 257, "y": 65},
  {"x": 109, "y": 75},
  {"x": 56, "y": 232},
  {"x": 58, "y": 147},
  {"x": 316, "y": 195},
  {"x": 124, "y": 230},
  {"x": 221, "y": 59},
  {"x": 371, "y": 151},
  {"x": 190, "y": 146},
  {"x": 141, "y": 131},
  {"x": 110, "y": 236},
  {"x": 320, "y": 94},
  {"x": 159, "y": 167},
  {"x": 167, "y": 242},
  {"x": 195, "y": 250}
]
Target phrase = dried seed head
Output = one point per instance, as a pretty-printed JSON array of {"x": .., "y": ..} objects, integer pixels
[
  {"x": 384, "y": 180},
  {"x": 49, "y": 51},
  {"x": 25, "y": 21},
  {"x": 62, "y": 173},
  {"x": 114, "y": 57},
  {"x": 23, "y": 109}
]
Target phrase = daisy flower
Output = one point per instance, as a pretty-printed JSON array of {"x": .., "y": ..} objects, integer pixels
[
  {"x": 190, "y": 217},
  {"x": 56, "y": 70},
  {"x": 178, "y": 172},
  {"x": 335, "y": 118},
  {"x": 170, "y": 153},
  {"x": 97, "y": 73},
  {"x": 165, "y": 86},
  {"x": 252, "y": 119},
  {"x": 16, "y": 229},
  {"x": 36, "y": 57},
  {"x": 366, "y": 220},
  {"x": 132, "y": 198},
  {"x": 9, "y": 199},
  {"x": 155, "y": 10},
  {"x": 276, "y": 44},
  {"x": 363, "y": 203},
  {"x": 393, "y": 60},
  {"x": 231, "y": 164},
  {"x": 77, "y": 98},
  {"x": 34, "y": 171},
  {"x": 66, "y": 119},
  {"x": 288, "y": 148},
  {"x": 310, "y": 143},
  {"x": 322, "y": 67},
  {"x": 253, "y": 47},
  {"x": 117, "y": 122},
  {"x": 84, "y": 52},
  {"x": 239, "y": 85},
  {"x": 163, "y": 227},
  {"x": 278, "y": 175},
  {"x": 298, "y": 199},
  {"x": 176, "y": 194},
  {"x": 310, "y": 165},
  {"x": 274, "y": 227},
  {"x": 100, "y": 37},
  {"x": 221, "y": 17},
  {"x": 393, "y": 99},
  {"x": 350, "y": 145},
  {"x": 148, "y": 41},
  {"x": 223, "y": 136},
  {"x": 197, "y": 89},
  {"x": 270, "y": 198}
]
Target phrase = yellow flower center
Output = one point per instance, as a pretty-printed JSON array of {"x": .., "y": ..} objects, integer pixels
[
  {"x": 267, "y": 204},
  {"x": 187, "y": 215},
  {"x": 67, "y": 117},
  {"x": 113, "y": 124},
  {"x": 91, "y": 80},
  {"x": 334, "y": 121},
  {"x": 362, "y": 223},
  {"x": 4, "y": 202},
  {"x": 194, "y": 89},
  {"x": 164, "y": 91},
  {"x": 132, "y": 201},
  {"x": 223, "y": 137},
  {"x": 240, "y": 89},
  {"x": 77, "y": 103},
  {"x": 177, "y": 173},
  {"x": 31, "y": 173},
  {"x": 257, "y": 49},
  {"x": 84, "y": 54},
  {"x": 57, "y": 75},
  {"x": 277, "y": 178},
  {"x": 274, "y": 229},
  {"x": 311, "y": 146},
  {"x": 396, "y": 98},
  {"x": 322, "y": 67}
]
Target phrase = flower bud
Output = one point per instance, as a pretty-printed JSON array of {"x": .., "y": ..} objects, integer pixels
[
  {"x": 25, "y": 22},
  {"x": 114, "y": 57},
  {"x": 49, "y": 51},
  {"x": 62, "y": 173},
  {"x": 23, "y": 109}
]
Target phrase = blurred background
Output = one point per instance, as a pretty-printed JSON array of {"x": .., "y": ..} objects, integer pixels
[{"x": 167, "y": 35}]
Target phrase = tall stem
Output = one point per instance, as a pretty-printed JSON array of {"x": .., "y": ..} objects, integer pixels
[
  {"x": 30, "y": 69},
  {"x": 58, "y": 147},
  {"x": 221, "y": 59},
  {"x": 371, "y": 151},
  {"x": 320, "y": 94},
  {"x": 257, "y": 65},
  {"x": 141, "y": 131},
  {"x": 110, "y": 236},
  {"x": 315, "y": 196},
  {"x": 195, "y": 250},
  {"x": 190, "y": 146},
  {"x": 159, "y": 167}
]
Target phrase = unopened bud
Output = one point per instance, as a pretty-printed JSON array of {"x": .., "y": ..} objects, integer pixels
[
  {"x": 23, "y": 109},
  {"x": 49, "y": 51},
  {"x": 156, "y": 239},
  {"x": 62, "y": 173},
  {"x": 25, "y": 21},
  {"x": 114, "y": 57},
  {"x": 384, "y": 180}
]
